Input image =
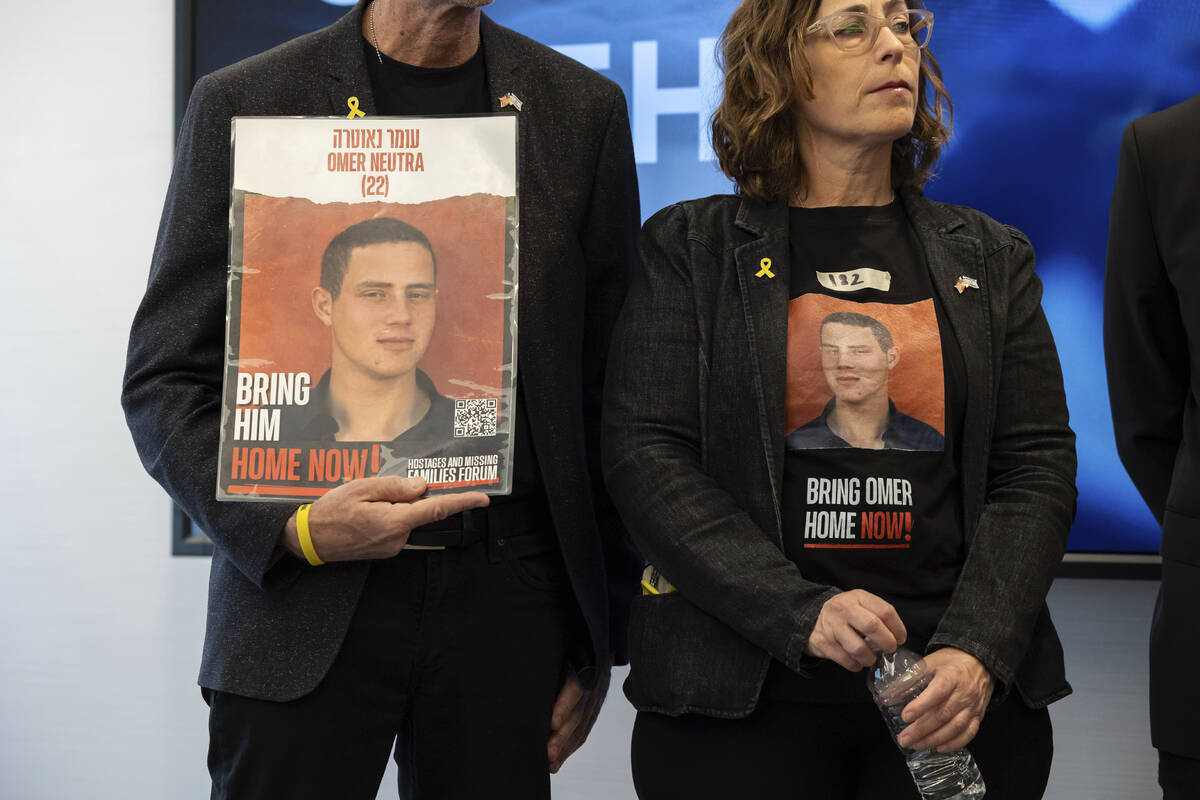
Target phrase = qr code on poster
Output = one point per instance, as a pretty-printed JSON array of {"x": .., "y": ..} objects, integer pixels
[{"x": 475, "y": 417}]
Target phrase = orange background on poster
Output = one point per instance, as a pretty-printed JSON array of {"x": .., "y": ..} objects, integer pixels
[
  {"x": 282, "y": 247},
  {"x": 916, "y": 385}
]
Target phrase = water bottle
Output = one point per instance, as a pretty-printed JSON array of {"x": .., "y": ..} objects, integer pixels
[{"x": 895, "y": 680}]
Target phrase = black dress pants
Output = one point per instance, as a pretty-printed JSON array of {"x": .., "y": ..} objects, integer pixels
[
  {"x": 452, "y": 663},
  {"x": 1179, "y": 776},
  {"x": 813, "y": 751}
]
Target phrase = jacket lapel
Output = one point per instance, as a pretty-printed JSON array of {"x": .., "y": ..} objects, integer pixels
[
  {"x": 763, "y": 265},
  {"x": 504, "y": 77},
  {"x": 503, "y": 67},
  {"x": 347, "y": 72},
  {"x": 950, "y": 256},
  {"x": 505, "y": 61}
]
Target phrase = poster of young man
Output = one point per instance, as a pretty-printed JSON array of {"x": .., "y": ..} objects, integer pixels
[{"x": 372, "y": 298}]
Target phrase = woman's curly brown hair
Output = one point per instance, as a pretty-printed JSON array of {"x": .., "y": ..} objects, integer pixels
[{"x": 767, "y": 74}]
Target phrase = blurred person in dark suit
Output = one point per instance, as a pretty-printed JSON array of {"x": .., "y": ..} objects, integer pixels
[{"x": 1152, "y": 349}]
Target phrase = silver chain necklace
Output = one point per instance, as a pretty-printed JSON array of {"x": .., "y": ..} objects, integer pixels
[{"x": 374, "y": 38}]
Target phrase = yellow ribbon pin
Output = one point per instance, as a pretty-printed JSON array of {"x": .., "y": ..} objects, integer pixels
[
  {"x": 766, "y": 269},
  {"x": 354, "y": 112}
]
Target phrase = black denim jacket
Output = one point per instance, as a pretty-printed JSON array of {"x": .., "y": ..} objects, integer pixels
[{"x": 694, "y": 450}]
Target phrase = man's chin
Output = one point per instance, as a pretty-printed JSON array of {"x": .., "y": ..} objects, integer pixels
[
  {"x": 392, "y": 374},
  {"x": 850, "y": 401}
]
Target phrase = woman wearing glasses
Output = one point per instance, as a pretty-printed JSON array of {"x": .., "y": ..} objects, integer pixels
[{"x": 835, "y": 423}]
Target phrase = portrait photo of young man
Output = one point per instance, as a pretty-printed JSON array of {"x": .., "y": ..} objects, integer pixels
[
  {"x": 858, "y": 355},
  {"x": 378, "y": 298}
]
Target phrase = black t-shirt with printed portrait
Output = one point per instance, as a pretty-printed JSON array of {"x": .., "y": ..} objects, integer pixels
[{"x": 871, "y": 492}]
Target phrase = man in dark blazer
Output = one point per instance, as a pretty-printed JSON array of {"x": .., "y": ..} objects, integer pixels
[
  {"x": 1152, "y": 348},
  {"x": 482, "y": 664}
]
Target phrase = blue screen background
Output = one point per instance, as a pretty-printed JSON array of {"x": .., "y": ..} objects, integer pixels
[{"x": 1042, "y": 91}]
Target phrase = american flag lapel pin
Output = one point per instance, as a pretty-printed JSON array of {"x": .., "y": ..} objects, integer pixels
[
  {"x": 511, "y": 99},
  {"x": 963, "y": 283}
]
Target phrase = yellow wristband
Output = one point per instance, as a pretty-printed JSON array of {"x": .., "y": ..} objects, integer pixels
[{"x": 306, "y": 543}]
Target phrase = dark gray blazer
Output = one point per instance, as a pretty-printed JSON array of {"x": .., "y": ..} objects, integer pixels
[
  {"x": 1152, "y": 348},
  {"x": 275, "y": 624},
  {"x": 694, "y": 451}
]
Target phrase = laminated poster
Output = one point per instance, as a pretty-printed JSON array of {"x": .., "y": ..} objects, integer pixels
[{"x": 372, "y": 320}]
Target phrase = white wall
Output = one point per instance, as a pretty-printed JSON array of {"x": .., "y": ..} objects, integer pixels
[{"x": 100, "y": 629}]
